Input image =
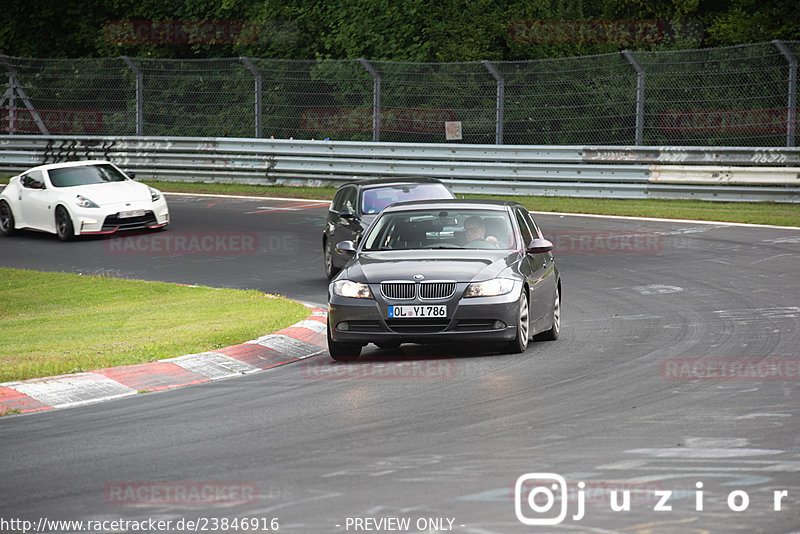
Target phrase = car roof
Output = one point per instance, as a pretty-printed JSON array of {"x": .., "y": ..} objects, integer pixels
[
  {"x": 67, "y": 164},
  {"x": 456, "y": 203},
  {"x": 375, "y": 182}
]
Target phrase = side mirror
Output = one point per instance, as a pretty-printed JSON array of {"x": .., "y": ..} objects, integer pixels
[
  {"x": 36, "y": 184},
  {"x": 539, "y": 246},
  {"x": 131, "y": 175},
  {"x": 345, "y": 247},
  {"x": 347, "y": 214}
]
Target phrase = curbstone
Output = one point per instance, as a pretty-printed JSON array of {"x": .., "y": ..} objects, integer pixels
[{"x": 299, "y": 341}]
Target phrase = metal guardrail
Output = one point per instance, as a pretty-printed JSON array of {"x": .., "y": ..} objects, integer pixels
[{"x": 709, "y": 173}]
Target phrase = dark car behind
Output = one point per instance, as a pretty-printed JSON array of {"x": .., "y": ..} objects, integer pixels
[{"x": 356, "y": 204}]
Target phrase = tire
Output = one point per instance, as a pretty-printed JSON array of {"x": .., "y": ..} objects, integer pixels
[
  {"x": 520, "y": 342},
  {"x": 64, "y": 228},
  {"x": 342, "y": 352},
  {"x": 6, "y": 219},
  {"x": 327, "y": 254},
  {"x": 555, "y": 330}
]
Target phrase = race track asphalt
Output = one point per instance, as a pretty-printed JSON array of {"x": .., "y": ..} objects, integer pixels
[{"x": 444, "y": 433}]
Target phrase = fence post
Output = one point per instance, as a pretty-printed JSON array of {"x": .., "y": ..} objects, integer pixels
[
  {"x": 257, "y": 76},
  {"x": 501, "y": 90},
  {"x": 15, "y": 89},
  {"x": 791, "y": 114},
  {"x": 376, "y": 98},
  {"x": 12, "y": 105},
  {"x": 639, "y": 95},
  {"x": 139, "y": 95}
]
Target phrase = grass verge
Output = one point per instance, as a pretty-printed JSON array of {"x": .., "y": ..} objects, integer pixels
[
  {"x": 780, "y": 214},
  {"x": 58, "y": 323},
  {"x": 282, "y": 191}
]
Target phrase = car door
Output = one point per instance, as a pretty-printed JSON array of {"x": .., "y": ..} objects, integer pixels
[
  {"x": 35, "y": 202},
  {"x": 343, "y": 220},
  {"x": 545, "y": 287},
  {"x": 348, "y": 227},
  {"x": 527, "y": 265},
  {"x": 532, "y": 267}
]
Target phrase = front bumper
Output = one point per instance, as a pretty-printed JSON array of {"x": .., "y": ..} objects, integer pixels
[
  {"x": 106, "y": 220},
  {"x": 474, "y": 319}
]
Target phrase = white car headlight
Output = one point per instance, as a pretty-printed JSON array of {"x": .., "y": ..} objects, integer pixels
[
  {"x": 155, "y": 194},
  {"x": 85, "y": 202},
  {"x": 348, "y": 288},
  {"x": 490, "y": 288}
]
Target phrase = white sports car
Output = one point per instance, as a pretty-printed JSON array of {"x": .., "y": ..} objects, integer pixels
[{"x": 80, "y": 198}]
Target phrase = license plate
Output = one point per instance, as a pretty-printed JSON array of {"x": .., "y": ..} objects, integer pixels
[
  {"x": 129, "y": 214},
  {"x": 402, "y": 312}
]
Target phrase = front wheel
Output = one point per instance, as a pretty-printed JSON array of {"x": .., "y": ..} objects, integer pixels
[
  {"x": 342, "y": 352},
  {"x": 327, "y": 253},
  {"x": 555, "y": 330},
  {"x": 520, "y": 343},
  {"x": 6, "y": 219},
  {"x": 64, "y": 228}
]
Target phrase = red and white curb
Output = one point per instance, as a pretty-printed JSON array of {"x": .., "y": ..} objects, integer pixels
[{"x": 297, "y": 342}]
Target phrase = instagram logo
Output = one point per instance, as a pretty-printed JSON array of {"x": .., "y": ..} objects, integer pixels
[
  {"x": 540, "y": 491},
  {"x": 536, "y": 490}
]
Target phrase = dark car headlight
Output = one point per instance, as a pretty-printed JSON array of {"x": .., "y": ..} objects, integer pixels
[
  {"x": 155, "y": 194},
  {"x": 490, "y": 288},
  {"x": 348, "y": 288},
  {"x": 84, "y": 202}
]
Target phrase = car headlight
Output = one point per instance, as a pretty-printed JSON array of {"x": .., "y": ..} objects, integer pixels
[
  {"x": 490, "y": 288},
  {"x": 348, "y": 288},
  {"x": 155, "y": 194},
  {"x": 85, "y": 202}
]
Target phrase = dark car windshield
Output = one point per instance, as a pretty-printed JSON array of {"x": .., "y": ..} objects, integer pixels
[
  {"x": 453, "y": 228},
  {"x": 85, "y": 175},
  {"x": 375, "y": 199}
]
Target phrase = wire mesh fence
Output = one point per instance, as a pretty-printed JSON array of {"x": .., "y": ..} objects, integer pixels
[{"x": 733, "y": 96}]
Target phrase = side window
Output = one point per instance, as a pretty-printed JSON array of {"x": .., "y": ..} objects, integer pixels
[
  {"x": 524, "y": 229},
  {"x": 344, "y": 199},
  {"x": 532, "y": 224},
  {"x": 350, "y": 199},
  {"x": 338, "y": 199},
  {"x": 33, "y": 176}
]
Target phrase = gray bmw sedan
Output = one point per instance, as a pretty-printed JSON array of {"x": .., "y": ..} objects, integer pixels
[{"x": 445, "y": 271}]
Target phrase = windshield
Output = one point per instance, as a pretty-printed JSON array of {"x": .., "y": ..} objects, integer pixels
[
  {"x": 375, "y": 199},
  {"x": 457, "y": 229},
  {"x": 85, "y": 175}
]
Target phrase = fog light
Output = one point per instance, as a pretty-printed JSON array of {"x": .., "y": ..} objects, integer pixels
[
  {"x": 343, "y": 326},
  {"x": 499, "y": 324}
]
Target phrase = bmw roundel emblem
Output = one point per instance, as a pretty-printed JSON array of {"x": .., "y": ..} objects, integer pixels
[{"x": 419, "y": 276}]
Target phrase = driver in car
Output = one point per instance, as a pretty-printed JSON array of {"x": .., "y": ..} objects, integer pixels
[{"x": 476, "y": 232}]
